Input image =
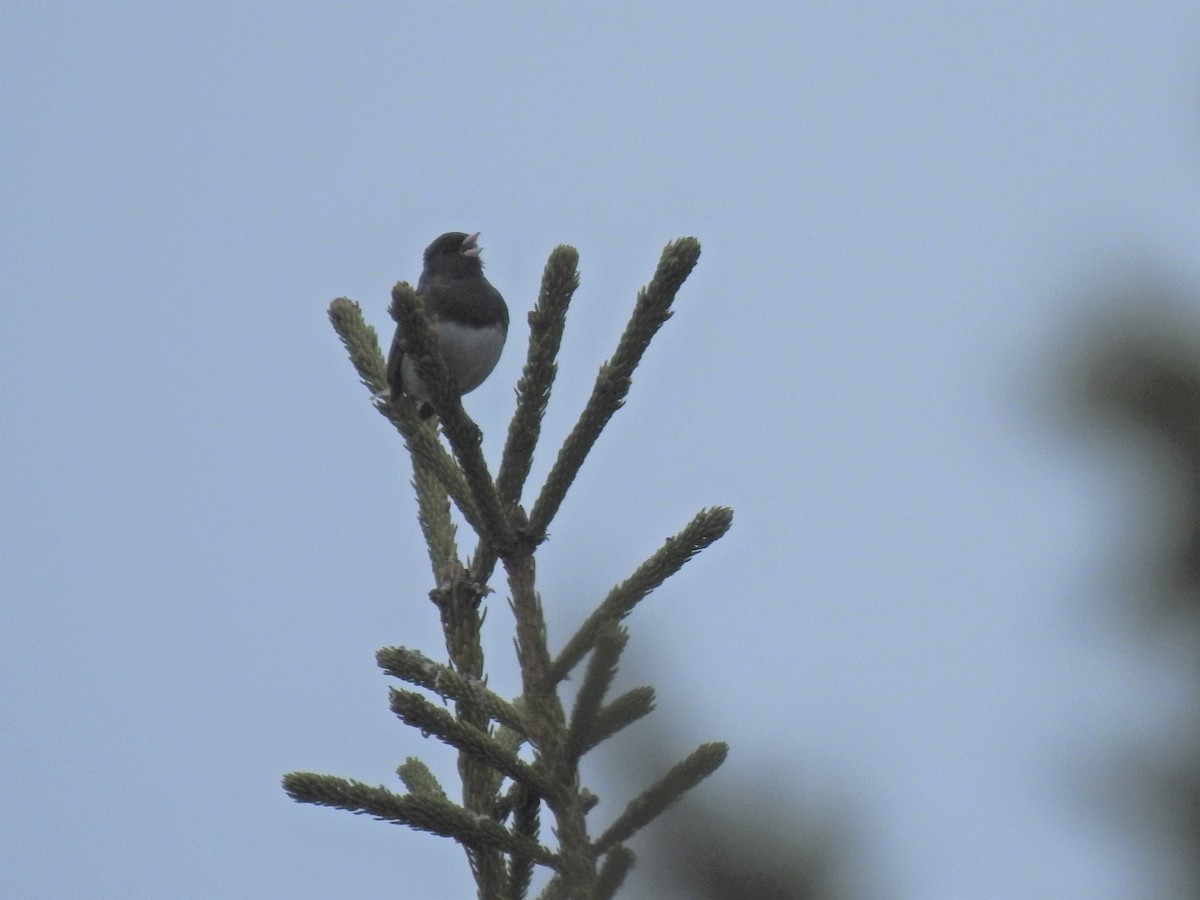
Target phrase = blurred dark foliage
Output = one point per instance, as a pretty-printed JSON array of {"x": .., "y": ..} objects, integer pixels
[
  {"x": 1141, "y": 380},
  {"x": 1145, "y": 375},
  {"x": 751, "y": 850}
]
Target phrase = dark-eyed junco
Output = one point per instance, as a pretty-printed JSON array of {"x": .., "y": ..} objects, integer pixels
[{"x": 469, "y": 315}]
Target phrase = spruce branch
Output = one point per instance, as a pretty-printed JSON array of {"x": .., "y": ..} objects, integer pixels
[
  {"x": 617, "y": 863},
  {"x": 707, "y": 526},
  {"x": 526, "y": 824},
  {"x": 422, "y": 812},
  {"x": 362, "y": 344},
  {"x": 458, "y": 601},
  {"x": 682, "y": 777},
  {"x": 418, "y": 778},
  {"x": 433, "y": 515},
  {"x": 601, "y": 670},
  {"x": 547, "y": 321},
  {"x": 543, "y": 707},
  {"x": 510, "y": 737},
  {"x": 652, "y": 309},
  {"x": 421, "y": 346},
  {"x": 413, "y": 709},
  {"x": 417, "y": 668},
  {"x": 623, "y": 711},
  {"x": 463, "y": 434},
  {"x": 430, "y": 460}
]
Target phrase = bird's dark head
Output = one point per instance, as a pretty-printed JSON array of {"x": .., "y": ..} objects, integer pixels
[{"x": 454, "y": 252}]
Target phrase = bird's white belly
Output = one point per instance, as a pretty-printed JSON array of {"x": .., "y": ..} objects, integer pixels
[{"x": 470, "y": 353}]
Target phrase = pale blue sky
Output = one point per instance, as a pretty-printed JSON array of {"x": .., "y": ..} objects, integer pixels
[{"x": 207, "y": 531}]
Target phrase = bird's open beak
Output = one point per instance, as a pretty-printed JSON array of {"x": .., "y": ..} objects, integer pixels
[{"x": 469, "y": 247}]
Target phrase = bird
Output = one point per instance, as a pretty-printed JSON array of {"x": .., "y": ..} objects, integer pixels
[{"x": 467, "y": 312}]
